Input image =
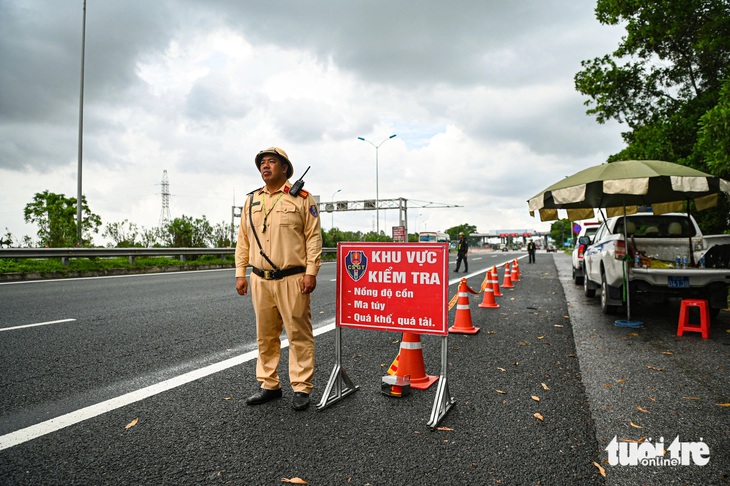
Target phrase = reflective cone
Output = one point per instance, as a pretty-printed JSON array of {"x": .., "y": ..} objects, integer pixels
[
  {"x": 495, "y": 279},
  {"x": 410, "y": 362},
  {"x": 513, "y": 274},
  {"x": 507, "y": 282},
  {"x": 462, "y": 322},
  {"x": 489, "y": 301},
  {"x": 394, "y": 365}
]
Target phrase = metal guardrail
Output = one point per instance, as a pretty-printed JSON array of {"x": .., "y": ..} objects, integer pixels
[{"x": 131, "y": 253}]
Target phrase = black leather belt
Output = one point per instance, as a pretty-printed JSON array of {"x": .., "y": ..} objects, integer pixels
[{"x": 277, "y": 274}]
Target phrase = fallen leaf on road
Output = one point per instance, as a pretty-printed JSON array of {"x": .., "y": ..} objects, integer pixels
[
  {"x": 668, "y": 353},
  {"x": 559, "y": 325},
  {"x": 638, "y": 441},
  {"x": 522, "y": 343},
  {"x": 654, "y": 368},
  {"x": 294, "y": 481},
  {"x": 502, "y": 370},
  {"x": 228, "y": 398},
  {"x": 501, "y": 391},
  {"x": 600, "y": 469},
  {"x": 545, "y": 386},
  {"x": 446, "y": 429},
  {"x": 537, "y": 399},
  {"x": 635, "y": 425},
  {"x": 538, "y": 416},
  {"x": 608, "y": 385},
  {"x": 620, "y": 380},
  {"x": 642, "y": 410},
  {"x": 723, "y": 404},
  {"x": 517, "y": 363},
  {"x": 491, "y": 332},
  {"x": 132, "y": 423},
  {"x": 691, "y": 398},
  {"x": 540, "y": 337}
]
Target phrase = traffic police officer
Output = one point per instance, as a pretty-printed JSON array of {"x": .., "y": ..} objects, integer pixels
[{"x": 280, "y": 237}]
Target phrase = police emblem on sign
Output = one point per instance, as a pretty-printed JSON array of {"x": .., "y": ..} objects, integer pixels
[{"x": 356, "y": 263}]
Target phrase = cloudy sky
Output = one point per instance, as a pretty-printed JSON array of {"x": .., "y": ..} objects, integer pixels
[{"x": 479, "y": 93}]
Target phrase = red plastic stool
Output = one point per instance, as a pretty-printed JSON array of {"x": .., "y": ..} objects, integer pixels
[{"x": 704, "y": 325}]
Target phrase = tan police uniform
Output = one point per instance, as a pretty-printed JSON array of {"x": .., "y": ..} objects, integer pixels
[{"x": 291, "y": 238}]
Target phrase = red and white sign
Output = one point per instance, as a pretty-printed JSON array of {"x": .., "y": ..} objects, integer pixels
[
  {"x": 400, "y": 287},
  {"x": 399, "y": 234}
]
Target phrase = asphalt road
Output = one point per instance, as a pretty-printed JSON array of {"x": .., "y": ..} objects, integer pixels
[{"x": 152, "y": 375}]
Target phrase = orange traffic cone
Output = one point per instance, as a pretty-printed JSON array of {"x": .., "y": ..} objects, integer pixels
[
  {"x": 489, "y": 301},
  {"x": 410, "y": 362},
  {"x": 495, "y": 279},
  {"x": 515, "y": 271},
  {"x": 507, "y": 282},
  {"x": 462, "y": 322}
]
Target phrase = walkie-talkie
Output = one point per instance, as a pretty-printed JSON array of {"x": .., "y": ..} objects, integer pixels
[{"x": 297, "y": 186}]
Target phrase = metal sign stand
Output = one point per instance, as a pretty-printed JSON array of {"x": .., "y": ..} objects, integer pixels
[
  {"x": 443, "y": 401},
  {"x": 339, "y": 385}
]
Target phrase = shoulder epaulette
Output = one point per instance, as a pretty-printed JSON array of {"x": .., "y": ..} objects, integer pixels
[{"x": 302, "y": 192}]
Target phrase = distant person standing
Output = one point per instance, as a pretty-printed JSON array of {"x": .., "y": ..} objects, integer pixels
[
  {"x": 280, "y": 237},
  {"x": 531, "y": 251},
  {"x": 462, "y": 248}
]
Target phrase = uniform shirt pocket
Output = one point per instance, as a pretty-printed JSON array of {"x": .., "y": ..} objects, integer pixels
[
  {"x": 257, "y": 216},
  {"x": 287, "y": 214}
]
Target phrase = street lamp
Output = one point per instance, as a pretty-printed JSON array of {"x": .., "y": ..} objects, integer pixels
[
  {"x": 377, "y": 194},
  {"x": 332, "y": 201}
]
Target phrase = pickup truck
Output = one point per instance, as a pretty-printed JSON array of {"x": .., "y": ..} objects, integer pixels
[{"x": 658, "y": 241}]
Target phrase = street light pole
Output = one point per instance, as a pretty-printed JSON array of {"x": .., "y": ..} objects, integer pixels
[
  {"x": 332, "y": 201},
  {"x": 377, "y": 190}
]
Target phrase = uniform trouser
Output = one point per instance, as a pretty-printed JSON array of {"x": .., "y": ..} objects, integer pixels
[
  {"x": 531, "y": 255},
  {"x": 459, "y": 259},
  {"x": 281, "y": 303}
]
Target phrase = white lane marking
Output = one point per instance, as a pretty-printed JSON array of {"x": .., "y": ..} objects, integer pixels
[
  {"x": 35, "y": 325},
  {"x": 34, "y": 431}
]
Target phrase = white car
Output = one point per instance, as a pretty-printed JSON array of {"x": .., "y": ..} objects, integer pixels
[{"x": 585, "y": 238}]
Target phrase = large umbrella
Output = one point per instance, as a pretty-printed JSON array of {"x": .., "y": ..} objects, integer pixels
[
  {"x": 621, "y": 186},
  {"x": 630, "y": 183}
]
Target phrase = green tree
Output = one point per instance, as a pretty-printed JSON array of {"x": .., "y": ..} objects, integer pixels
[
  {"x": 667, "y": 82},
  {"x": 186, "y": 232},
  {"x": 560, "y": 231},
  {"x": 123, "y": 233},
  {"x": 220, "y": 236},
  {"x": 55, "y": 216}
]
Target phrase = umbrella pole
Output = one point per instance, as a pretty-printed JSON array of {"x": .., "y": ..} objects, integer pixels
[
  {"x": 689, "y": 225},
  {"x": 628, "y": 322},
  {"x": 627, "y": 269}
]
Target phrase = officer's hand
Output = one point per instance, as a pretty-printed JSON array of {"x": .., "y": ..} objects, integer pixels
[
  {"x": 241, "y": 285},
  {"x": 309, "y": 283}
]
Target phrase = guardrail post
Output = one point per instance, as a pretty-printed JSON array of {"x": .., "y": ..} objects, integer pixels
[
  {"x": 131, "y": 259},
  {"x": 65, "y": 261},
  {"x": 182, "y": 258}
]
